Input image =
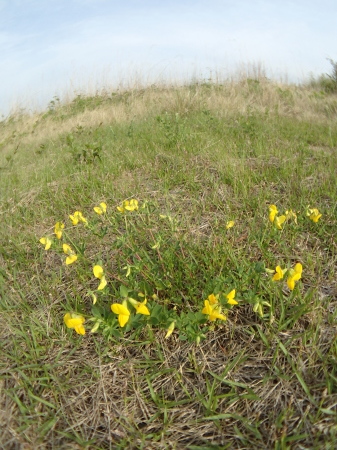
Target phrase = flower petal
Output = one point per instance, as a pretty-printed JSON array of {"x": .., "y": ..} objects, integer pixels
[
  {"x": 272, "y": 212},
  {"x": 279, "y": 272},
  {"x": 98, "y": 271},
  {"x": 170, "y": 330},
  {"x": 123, "y": 319},
  {"x": 80, "y": 329},
  {"x": 101, "y": 209},
  {"x": 58, "y": 229},
  {"x": 73, "y": 320},
  {"x": 46, "y": 242},
  {"x": 230, "y": 297},
  {"x": 291, "y": 283},
  {"x": 71, "y": 259},
  {"x": 216, "y": 314},
  {"x": 123, "y": 313},
  {"x": 102, "y": 284},
  {"x": 67, "y": 249},
  {"x": 142, "y": 309},
  {"x": 74, "y": 219},
  {"x": 298, "y": 268},
  {"x": 207, "y": 309},
  {"x": 279, "y": 220},
  {"x": 117, "y": 308},
  {"x": 213, "y": 299},
  {"x": 66, "y": 319}
]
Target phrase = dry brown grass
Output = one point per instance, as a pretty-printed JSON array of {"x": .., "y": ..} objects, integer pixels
[
  {"x": 226, "y": 100},
  {"x": 167, "y": 390}
]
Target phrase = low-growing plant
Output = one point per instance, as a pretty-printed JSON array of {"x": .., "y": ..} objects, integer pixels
[
  {"x": 139, "y": 294},
  {"x": 83, "y": 152}
]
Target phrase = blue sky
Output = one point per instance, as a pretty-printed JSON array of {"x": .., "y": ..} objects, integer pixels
[{"x": 50, "y": 47}]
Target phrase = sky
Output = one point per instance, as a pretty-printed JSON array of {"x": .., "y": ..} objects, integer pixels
[{"x": 61, "y": 48}]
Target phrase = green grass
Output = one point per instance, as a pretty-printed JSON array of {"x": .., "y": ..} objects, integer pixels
[{"x": 253, "y": 382}]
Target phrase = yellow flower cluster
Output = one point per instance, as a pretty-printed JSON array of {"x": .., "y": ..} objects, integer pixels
[
  {"x": 75, "y": 218},
  {"x": 72, "y": 257},
  {"x": 101, "y": 209},
  {"x": 274, "y": 218},
  {"x": 58, "y": 230},
  {"x": 213, "y": 308},
  {"x": 216, "y": 306},
  {"x": 128, "y": 205},
  {"x": 76, "y": 321},
  {"x": 312, "y": 213},
  {"x": 294, "y": 274},
  {"x": 78, "y": 217}
]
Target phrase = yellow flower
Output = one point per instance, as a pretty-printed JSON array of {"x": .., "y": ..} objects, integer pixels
[
  {"x": 295, "y": 274},
  {"x": 101, "y": 209},
  {"x": 46, "y": 242},
  {"x": 213, "y": 311},
  {"x": 279, "y": 220},
  {"x": 102, "y": 284},
  {"x": 72, "y": 257},
  {"x": 99, "y": 273},
  {"x": 74, "y": 218},
  {"x": 75, "y": 321},
  {"x": 314, "y": 214},
  {"x": 140, "y": 306},
  {"x": 230, "y": 297},
  {"x": 77, "y": 217},
  {"x": 279, "y": 273},
  {"x": 230, "y": 224},
  {"x": 170, "y": 330},
  {"x": 272, "y": 212},
  {"x": 122, "y": 311},
  {"x": 128, "y": 205},
  {"x": 213, "y": 299},
  {"x": 58, "y": 229}
]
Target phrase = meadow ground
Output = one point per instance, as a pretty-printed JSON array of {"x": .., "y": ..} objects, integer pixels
[{"x": 195, "y": 157}]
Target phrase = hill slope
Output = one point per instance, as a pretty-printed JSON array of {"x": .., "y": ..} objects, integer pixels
[{"x": 196, "y": 158}]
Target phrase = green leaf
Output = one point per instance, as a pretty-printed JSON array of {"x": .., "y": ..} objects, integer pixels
[
  {"x": 123, "y": 291},
  {"x": 160, "y": 285}
]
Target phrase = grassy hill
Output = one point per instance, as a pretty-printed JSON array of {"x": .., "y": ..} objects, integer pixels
[{"x": 196, "y": 158}]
